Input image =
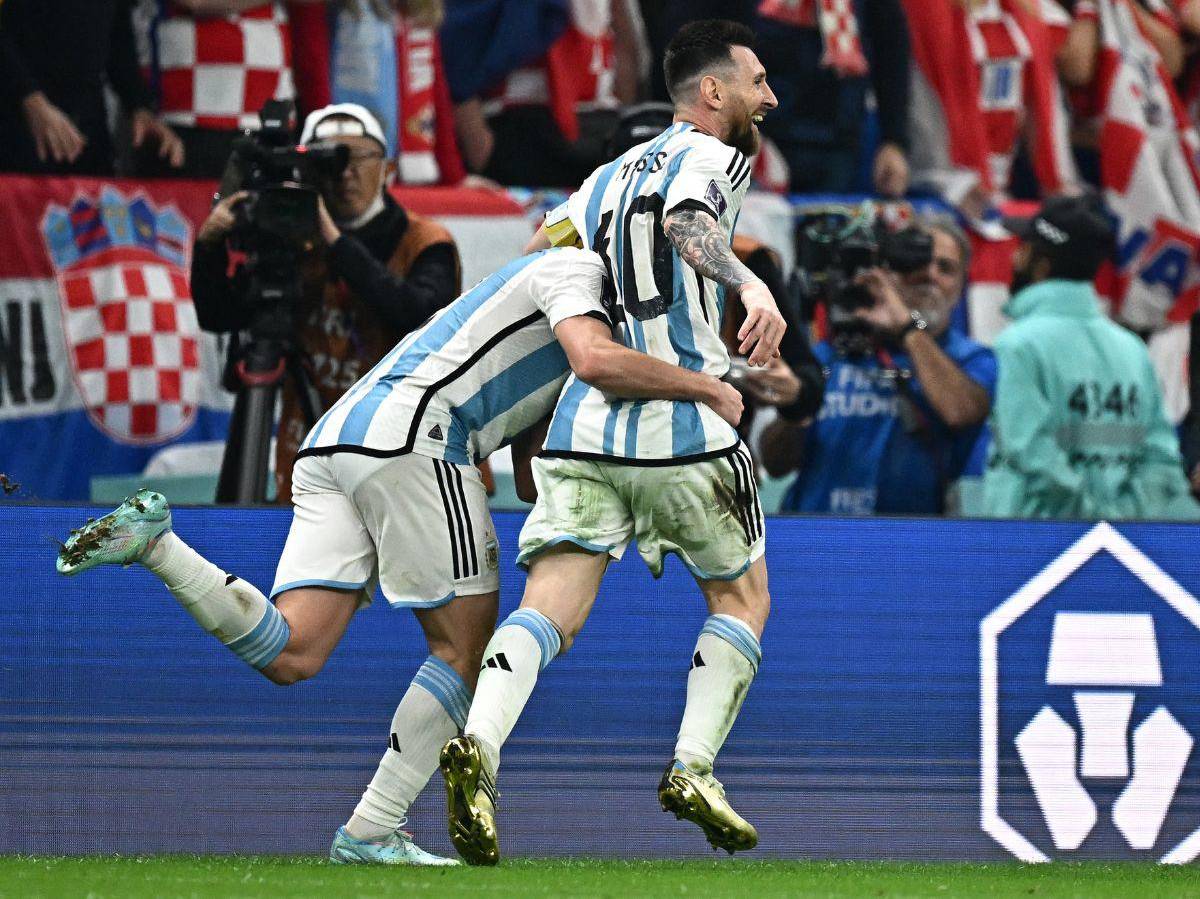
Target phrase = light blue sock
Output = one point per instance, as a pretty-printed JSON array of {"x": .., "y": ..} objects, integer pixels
[
  {"x": 263, "y": 645},
  {"x": 447, "y": 688},
  {"x": 548, "y": 638}
]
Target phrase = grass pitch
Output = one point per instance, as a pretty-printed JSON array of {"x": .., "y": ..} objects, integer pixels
[{"x": 273, "y": 876}]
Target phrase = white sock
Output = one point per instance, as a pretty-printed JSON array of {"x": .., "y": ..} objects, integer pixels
[
  {"x": 230, "y": 609},
  {"x": 522, "y": 646},
  {"x": 724, "y": 663},
  {"x": 433, "y": 710}
]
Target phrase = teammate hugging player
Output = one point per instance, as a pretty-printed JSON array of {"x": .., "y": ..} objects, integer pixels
[
  {"x": 671, "y": 474},
  {"x": 385, "y": 491}
]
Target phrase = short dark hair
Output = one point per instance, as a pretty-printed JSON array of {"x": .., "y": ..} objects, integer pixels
[
  {"x": 1080, "y": 266},
  {"x": 700, "y": 46}
]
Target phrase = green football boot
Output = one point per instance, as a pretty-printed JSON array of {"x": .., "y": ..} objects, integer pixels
[
  {"x": 470, "y": 801},
  {"x": 119, "y": 538},
  {"x": 700, "y": 798}
]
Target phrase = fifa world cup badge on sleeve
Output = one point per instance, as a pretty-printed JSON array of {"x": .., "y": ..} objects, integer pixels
[{"x": 715, "y": 198}]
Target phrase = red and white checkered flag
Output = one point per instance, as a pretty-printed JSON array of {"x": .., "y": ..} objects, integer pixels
[
  {"x": 839, "y": 31},
  {"x": 837, "y": 23},
  {"x": 130, "y": 327}
]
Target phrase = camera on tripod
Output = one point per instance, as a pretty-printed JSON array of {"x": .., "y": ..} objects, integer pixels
[
  {"x": 279, "y": 221},
  {"x": 836, "y": 244},
  {"x": 276, "y": 227}
]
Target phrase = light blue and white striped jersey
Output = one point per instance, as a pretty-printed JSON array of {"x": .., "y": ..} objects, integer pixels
[
  {"x": 476, "y": 374},
  {"x": 669, "y": 311}
]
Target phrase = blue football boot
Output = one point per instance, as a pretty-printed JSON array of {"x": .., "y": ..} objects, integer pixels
[
  {"x": 121, "y": 537},
  {"x": 397, "y": 849}
]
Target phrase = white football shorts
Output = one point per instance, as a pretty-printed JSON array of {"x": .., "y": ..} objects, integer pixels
[
  {"x": 707, "y": 513},
  {"x": 418, "y": 527}
]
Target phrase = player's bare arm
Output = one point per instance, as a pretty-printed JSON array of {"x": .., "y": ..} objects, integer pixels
[
  {"x": 702, "y": 245},
  {"x": 539, "y": 241},
  {"x": 615, "y": 369}
]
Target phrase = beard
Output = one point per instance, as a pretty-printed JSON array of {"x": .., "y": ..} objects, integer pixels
[{"x": 744, "y": 138}]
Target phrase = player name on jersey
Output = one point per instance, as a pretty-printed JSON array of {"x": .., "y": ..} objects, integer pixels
[{"x": 664, "y": 307}]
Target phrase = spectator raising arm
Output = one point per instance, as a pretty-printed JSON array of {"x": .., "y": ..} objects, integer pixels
[{"x": 891, "y": 58}]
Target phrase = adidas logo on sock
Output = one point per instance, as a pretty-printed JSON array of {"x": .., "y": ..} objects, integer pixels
[
  {"x": 394, "y": 742},
  {"x": 435, "y": 433},
  {"x": 497, "y": 661},
  {"x": 697, "y": 662}
]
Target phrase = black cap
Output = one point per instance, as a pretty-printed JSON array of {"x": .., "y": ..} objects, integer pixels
[{"x": 1074, "y": 233}]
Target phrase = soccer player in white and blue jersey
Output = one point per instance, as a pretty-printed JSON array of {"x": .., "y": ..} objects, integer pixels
[
  {"x": 669, "y": 474},
  {"x": 386, "y": 493}
]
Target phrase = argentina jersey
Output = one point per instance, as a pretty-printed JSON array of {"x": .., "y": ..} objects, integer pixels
[
  {"x": 666, "y": 309},
  {"x": 476, "y": 374}
]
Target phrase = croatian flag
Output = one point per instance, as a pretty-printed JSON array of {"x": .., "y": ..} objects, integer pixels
[{"x": 1148, "y": 169}]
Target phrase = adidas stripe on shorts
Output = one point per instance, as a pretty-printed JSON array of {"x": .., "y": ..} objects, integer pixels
[{"x": 417, "y": 527}]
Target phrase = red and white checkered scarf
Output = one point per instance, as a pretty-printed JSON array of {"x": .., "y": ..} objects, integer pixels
[{"x": 838, "y": 24}]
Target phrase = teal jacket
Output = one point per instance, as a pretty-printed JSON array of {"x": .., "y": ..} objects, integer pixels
[{"x": 1078, "y": 427}]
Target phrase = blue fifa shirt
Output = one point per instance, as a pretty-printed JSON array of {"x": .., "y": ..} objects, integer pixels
[{"x": 872, "y": 451}]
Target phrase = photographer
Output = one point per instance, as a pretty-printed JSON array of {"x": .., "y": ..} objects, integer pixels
[
  {"x": 375, "y": 273},
  {"x": 905, "y": 396}
]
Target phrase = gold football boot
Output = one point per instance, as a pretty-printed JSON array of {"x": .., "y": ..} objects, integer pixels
[
  {"x": 470, "y": 801},
  {"x": 700, "y": 798}
]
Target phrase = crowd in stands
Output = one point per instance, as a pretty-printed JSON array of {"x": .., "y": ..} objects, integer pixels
[
  {"x": 972, "y": 102},
  {"x": 970, "y": 99}
]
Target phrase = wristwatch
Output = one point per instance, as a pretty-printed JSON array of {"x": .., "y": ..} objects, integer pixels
[{"x": 915, "y": 323}]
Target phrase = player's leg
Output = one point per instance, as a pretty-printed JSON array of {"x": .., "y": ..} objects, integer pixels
[
  {"x": 438, "y": 556},
  {"x": 567, "y": 550},
  {"x": 285, "y": 642},
  {"x": 725, "y": 659},
  {"x": 708, "y": 514},
  {"x": 559, "y": 592},
  {"x": 316, "y": 618},
  {"x": 432, "y": 711}
]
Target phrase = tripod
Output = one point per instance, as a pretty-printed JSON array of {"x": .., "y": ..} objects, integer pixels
[{"x": 257, "y": 371}]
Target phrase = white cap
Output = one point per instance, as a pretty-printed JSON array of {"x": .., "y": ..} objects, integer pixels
[{"x": 318, "y": 124}]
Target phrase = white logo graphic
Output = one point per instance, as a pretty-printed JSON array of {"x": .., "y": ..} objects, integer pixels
[{"x": 1103, "y": 658}]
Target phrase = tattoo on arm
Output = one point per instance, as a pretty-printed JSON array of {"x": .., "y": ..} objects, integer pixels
[{"x": 702, "y": 245}]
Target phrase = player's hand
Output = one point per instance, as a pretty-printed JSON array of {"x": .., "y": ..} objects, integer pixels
[
  {"x": 726, "y": 401},
  {"x": 764, "y": 326},
  {"x": 775, "y": 384},
  {"x": 146, "y": 126},
  {"x": 54, "y": 134},
  {"x": 221, "y": 220}
]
